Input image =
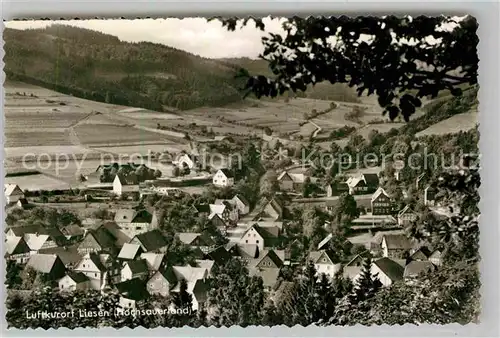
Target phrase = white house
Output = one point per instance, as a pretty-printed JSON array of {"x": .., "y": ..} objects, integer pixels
[
  {"x": 134, "y": 269},
  {"x": 223, "y": 178},
  {"x": 186, "y": 160},
  {"x": 92, "y": 267},
  {"x": 12, "y": 193},
  {"x": 124, "y": 186},
  {"x": 17, "y": 250},
  {"x": 74, "y": 281},
  {"x": 242, "y": 204},
  {"x": 406, "y": 216},
  {"x": 324, "y": 263}
]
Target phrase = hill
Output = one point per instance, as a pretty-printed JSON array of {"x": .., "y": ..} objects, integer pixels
[{"x": 100, "y": 67}]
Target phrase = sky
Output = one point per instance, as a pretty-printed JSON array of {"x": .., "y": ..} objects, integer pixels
[{"x": 194, "y": 35}]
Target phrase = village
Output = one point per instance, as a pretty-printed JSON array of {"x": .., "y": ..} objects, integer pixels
[{"x": 129, "y": 252}]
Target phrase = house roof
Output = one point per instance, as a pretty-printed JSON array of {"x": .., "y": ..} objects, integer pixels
[
  {"x": 129, "y": 251},
  {"x": 228, "y": 173},
  {"x": 242, "y": 199},
  {"x": 273, "y": 256},
  {"x": 246, "y": 250},
  {"x": 16, "y": 245},
  {"x": 205, "y": 263},
  {"x": 217, "y": 208},
  {"x": 202, "y": 208},
  {"x": 415, "y": 268},
  {"x": 351, "y": 272},
  {"x": 219, "y": 255},
  {"x": 397, "y": 242},
  {"x": 68, "y": 255},
  {"x": 285, "y": 175},
  {"x": 43, "y": 262},
  {"x": 371, "y": 179},
  {"x": 152, "y": 240},
  {"x": 187, "y": 237},
  {"x": 103, "y": 237},
  {"x": 134, "y": 289},
  {"x": 265, "y": 232},
  {"x": 392, "y": 269},
  {"x": 379, "y": 192},
  {"x": 77, "y": 277},
  {"x": 133, "y": 216},
  {"x": 94, "y": 257},
  {"x": 315, "y": 255},
  {"x": 153, "y": 260},
  {"x": 72, "y": 230},
  {"x": 189, "y": 273},
  {"x": 126, "y": 180},
  {"x": 115, "y": 233},
  {"x": 325, "y": 241},
  {"x": 168, "y": 273},
  {"x": 404, "y": 210},
  {"x": 137, "y": 266},
  {"x": 26, "y": 229},
  {"x": 421, "y": 253},
  {"x": 11, "y": 188}
]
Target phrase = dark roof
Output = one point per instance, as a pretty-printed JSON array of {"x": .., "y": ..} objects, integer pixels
[
  {"x": 114, "y": 231},
  {"x": 78, "y": 277},
  {"x": 25, "y": 229},
  {"x": 371, "y": 179},
  {"x": 68, "y": 255},
  {"x": 168, "y": 273},
  {"x": 422, "y": 253},
  {"x": 274, "y": 257},
  {"x": 94, "y": 257},
  {"x": 152, "y": 240},
  {"x": 44, "y": 262},
  {"x": 397, "y": 242},
  {"x": 138, "y": 266},
  {"x": 16, "y": 245},
  {"x": 72, "y": 230},
  {"x": 392, "y": 269},
  {"x": 218, "y": 255},
  {"x": 202, "y": 208},
  {"x": 242, "y": 199},
  {"x": 267, "y": 232},
  {"x": 23, "y": 201},
  {"x": 228, "y": 173},
  {"x": 133, "y": 216},
  {"x": 415, "y": 268},
  {"x": 134, "y": 289},
  {"x": 103, "y": 237},
  {"x": 127, "y": 180}
]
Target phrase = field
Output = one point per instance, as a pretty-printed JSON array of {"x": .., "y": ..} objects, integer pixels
[
  {"x": 37, "y": 182},
  {"x": 110, "y": 134},
  {"x": 454, "y": 124},
  {"x": 34, "y": 138}
]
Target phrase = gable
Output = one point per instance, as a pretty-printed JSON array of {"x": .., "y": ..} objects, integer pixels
[
  {"x": 89, "y": 242},
  {"x": 324, "y": 259},
  {"x": 86, "y": 264},
  {"x": 267, "y": 262}
]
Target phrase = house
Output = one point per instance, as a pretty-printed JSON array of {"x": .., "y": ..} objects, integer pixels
[
  {"x": 132, "y": 292},
  {"x": 245, "y": 252},
  {"x": 44, "y": 238},
  {"x": 203, "y": 241},
  {"x": 125, "y": 186},
  {"x": 242, "y": 204},
  {"x": 416, "y": 268},
  {"x": 324, "y": 263},
  {"x": 272, "y": 209},
  {"x": 353, "y": 268},
  {"x": 134, "y": 269},
  {"x": 23, "y": 203},
  {"x": 219, "y": 255},
  {"x": 227, "y": 211},
  {"x": 421, "y": 254},
  {"x": 73, "y": 233},
  {"x": 50, "y": 265},
  {"x": 262, "y": 237},
  {"x": 291, "y": 181},
  {"x": 430, "y": 196},
  {"x": 217, "y": 221},
  {"x": 197, "y": 284},
  {"x": 130, "y": 251},
  {"x": 206, "y": 264},
  {"x": 68, "y": 254},
  {"x": 74, "y": 281},
  {"x": 324, "y": 243},
  {"x": 92, "y": 266},
  {"x": 336, "y": 189},
  {"x": 202, "y": 209},
  {"x": 134, "y": 222},
  {"x": 154, "y": 261},
  {"x": 151, "y": 241},
  {"x": 406, "y": 216},
  {"x": 162, "y": 281},
  {"x": 387, "y": 271},
  {"x": 395, "y": 246},
  {"x": 99, "y": 240},
  {"x": 17, "y": 250},
  {"x": 267, "y": 267},
  {"x": 436, "y": 257},
  {"x": 363, "y": 184},
  {"x": 12, "y": 193},
  {"x": 381, "y": 203},
  {"x": 187, "y": 161},
  {"x": 223, "y": 178}
]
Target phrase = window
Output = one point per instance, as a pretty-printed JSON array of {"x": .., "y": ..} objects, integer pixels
[
  {"x": 83, "y": 265},
  {"x": 246, "y": 241},
  {"x": 95, "y": 274},
  {"x": 257, "y": 241}
]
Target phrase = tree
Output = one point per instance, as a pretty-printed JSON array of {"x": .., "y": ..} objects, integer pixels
[
  {"x": 157, "y": 173},
  {"x": 269, "y": 183},
  {"x": 13, "y": 275},
  {"x": 176, "y": 171},
  {"x": 346, "y": 209},
  {"x": 400, "y": 74}
]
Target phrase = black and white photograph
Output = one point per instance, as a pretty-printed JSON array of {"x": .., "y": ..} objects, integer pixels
[{"x": 241, "y": 171}]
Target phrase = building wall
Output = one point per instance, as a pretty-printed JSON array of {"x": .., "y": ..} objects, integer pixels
[
  {"x": 243, "y": 209},
  {"x": 375, "y": 270},
  {"x": 19, "y": 258},
  {"x": 13, "y": 198},
  {"x": 327, "y": 268},
  {"x": 158, "y": 285},
  {"x": 286, "y": 184},
  {"x": 221, "y": 180},
  {"x": 253, "y": 237}
]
